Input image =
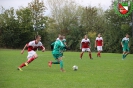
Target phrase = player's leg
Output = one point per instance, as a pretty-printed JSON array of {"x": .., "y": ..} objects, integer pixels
[
  {"x": 56, "y": 62},
  {"x": 61, "y": 64},
  {"x": 81, "y": 54},
  {"x": 98, "y": 53},
  {"x": 127, "y": 52},
  {"x": 124, "y": 52},
  {"x": 89, "y": 51},
  {"x": 100, "y": 50},
  {"x": 31, "y": 56}
]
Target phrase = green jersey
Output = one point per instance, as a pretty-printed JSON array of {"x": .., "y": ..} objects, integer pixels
[
  {"x": 125, "y": 42},
  {"x": 58, "y": 46}
]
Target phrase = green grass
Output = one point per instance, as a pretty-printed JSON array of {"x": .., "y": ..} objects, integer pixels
[{"x": 109, "y": 71}]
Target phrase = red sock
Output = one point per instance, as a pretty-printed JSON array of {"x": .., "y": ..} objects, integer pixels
[
  {"x": 81, "y": 55},
  {"x": 90, "y": 56},
  {"x": 99, "y": 54},
  {"x": 22, "y": 65},
  {"x": 30, "y": 60}
]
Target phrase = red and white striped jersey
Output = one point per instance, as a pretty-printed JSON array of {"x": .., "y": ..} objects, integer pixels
[
  {"x": 33, "y": 45},
  {"x": 99, "y": 41},
  {"x": 85, "y": 43}
]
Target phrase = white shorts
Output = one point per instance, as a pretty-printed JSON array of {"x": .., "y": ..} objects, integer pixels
[
  {"x": 31, "y": 54},
  {"x": 85, "y": 49},
  {"x": 99, "y": 48}
]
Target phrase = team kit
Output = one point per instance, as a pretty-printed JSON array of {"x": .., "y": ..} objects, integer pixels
[{"x": 59, "y": 46}]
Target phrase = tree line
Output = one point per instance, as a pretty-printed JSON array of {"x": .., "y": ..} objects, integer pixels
[{"x": 19, "y": 26}]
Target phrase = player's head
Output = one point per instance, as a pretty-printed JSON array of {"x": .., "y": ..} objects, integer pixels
[
  {"x": 99, "y": 35},
  {"x": 85, "y": 36},
  {"x": 61, "y": 37},
  {"x": 127, "y": 35},
  {"x": 38, "y": 38}
]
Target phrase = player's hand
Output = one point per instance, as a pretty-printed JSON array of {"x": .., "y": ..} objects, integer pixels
[
  {"x": 122, "y": 45},
  {"x": 22, "y": 51}
]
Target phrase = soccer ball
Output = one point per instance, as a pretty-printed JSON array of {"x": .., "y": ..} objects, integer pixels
[{"x": 75, "y": 67}]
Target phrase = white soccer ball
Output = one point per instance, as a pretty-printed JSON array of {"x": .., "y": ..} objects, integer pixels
[{"x": 75, "y": 67}]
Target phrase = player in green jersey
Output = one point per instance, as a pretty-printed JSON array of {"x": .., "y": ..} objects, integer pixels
[
  {"x": 57, "y": 53},
  {"x": 125, "y": 46}
]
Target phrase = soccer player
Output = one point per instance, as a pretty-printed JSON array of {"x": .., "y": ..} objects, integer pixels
[
  {"x": 99, "y": 44},
  {"x": 32, "y": 47},
  {"x": 57, "y": 53},
  {"x": 85, "y": 46},
  {"x": 125, "y": 46}
]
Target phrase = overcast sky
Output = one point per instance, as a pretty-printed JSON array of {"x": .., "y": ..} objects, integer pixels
[{"x": 17, "y": 3}]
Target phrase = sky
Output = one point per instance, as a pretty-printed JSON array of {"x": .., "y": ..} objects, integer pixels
[{"x": 18, "y": 3}]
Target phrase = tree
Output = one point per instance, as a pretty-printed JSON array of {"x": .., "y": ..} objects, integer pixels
[
  {"x": 116, "y": 29},
  {"x": 37, "y": 8},
  {"x": 64, "y": 12}
]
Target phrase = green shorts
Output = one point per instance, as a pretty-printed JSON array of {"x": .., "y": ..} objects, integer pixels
[
  {"x": 56, "y": 56},
  {"x": 125, "y": 49}
]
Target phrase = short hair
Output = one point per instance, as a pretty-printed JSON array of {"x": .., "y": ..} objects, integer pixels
[
  {"x": 37, "y": 36},
  {"x": 127, "y": 34},
  {"x": 99, "y": 33}
]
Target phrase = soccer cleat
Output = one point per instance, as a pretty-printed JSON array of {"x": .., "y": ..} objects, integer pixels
[
  {"x": 50, "y": 63},
  {"x": 91, "y": 58},
  {"x": 20, "y": 69},
  {"x": 62, "y": 70},
  {"x": 26, "y": 64},
  {"x": 123, "y": 57}
]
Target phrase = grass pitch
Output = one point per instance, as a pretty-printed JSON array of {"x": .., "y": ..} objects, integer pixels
[{"x": 109, "y": 71}]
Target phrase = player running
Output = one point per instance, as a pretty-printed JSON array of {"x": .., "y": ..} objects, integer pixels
[
  {"x": 57, "y": 53},
  {"x": 32, "y": 47},
  {"x": 99, "y": 44},
  {"x": 85, "y": 46},
  {"x": 125, "y": 46}
]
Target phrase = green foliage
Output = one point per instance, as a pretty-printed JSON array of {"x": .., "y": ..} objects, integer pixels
[
  {"x": 67, "y": 18},
  {"x": 17, "y": 25},
  {"x": 116, "y": 28}
]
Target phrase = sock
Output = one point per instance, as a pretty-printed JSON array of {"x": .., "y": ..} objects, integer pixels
[
  {"x": 123, "y": 56},
  {"x": 61, "y": 64},
  {"x": 56, "y": 62},
  {"x": 90, "y": 56},
  {"x": 22, "y": 65},
  {"x": 30, "y": 60},
  {"x": 81, "y": 55},
  {"x": 99, "y": 54}
]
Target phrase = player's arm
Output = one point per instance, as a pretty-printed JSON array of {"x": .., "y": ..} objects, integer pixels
[
  {"x": 89, "y": 44},
  {"x": 42, "y": 48},
  {"x": 122, "y": 43},
  {"x": 102, "y": 42},
  {"x": 24, "y": 49}
]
